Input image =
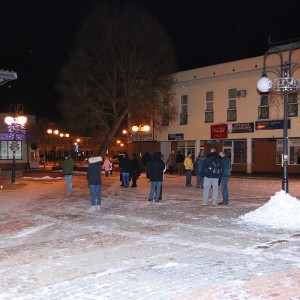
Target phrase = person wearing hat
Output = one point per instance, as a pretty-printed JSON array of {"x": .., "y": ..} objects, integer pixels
[{"x": 67, "y": 167}]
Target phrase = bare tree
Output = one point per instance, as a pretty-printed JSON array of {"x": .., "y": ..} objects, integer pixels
[{"x": 120, "y": 68}]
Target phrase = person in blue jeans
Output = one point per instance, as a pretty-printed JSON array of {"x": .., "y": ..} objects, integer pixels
[
  {"x": 224, "y": 178},
  {"x": 125, "y": 169},
  {"x": 94, "y": 180},
  {"x": 155, "y": 173},
  {"x": 67, "y": 167}
]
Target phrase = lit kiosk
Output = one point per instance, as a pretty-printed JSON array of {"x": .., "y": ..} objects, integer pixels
[
  {"x": 281, "y": 82},
  {"x": 16, "y": 126}
]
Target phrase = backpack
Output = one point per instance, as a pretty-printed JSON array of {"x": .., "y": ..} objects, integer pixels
[{"x": 214, "y": 168}]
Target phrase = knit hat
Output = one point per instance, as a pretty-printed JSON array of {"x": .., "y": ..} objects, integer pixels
[{"x": 95, "y": 159}]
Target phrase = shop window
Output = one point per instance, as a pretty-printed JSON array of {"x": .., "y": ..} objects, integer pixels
[
  {"x": 209, "y": 107},
  {"x": 293, "y": 151},
  {"x": 6, "y": 152},
  {"x": 240, "y": 152}
]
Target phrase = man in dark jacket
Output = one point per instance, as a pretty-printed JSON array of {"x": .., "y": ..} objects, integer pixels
[
  {"x": 225, "y": 177},
  {"x": 155, "y": 173},
  {"x": 125, "y": 169},
  {"x": 94, "y": 179},
  {"x": 67, "y": 169},
  {"x": 212, "y": 171},
  {"x": 134, "y": 170}
]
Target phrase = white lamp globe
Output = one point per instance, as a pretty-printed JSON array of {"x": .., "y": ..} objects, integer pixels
[{"x": 263, "y": 84}]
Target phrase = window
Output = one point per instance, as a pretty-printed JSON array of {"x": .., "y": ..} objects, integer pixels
[
  {"x": 209, "y": 107},
  {"x": 165, "y": 114},
  {"x": 263, "y": 108},
  {"x": 293, "y": 151},
  {"x": 184, "y": 109},
  {"x": 292, "y": 105},
  {"x": 7, "y": 153},
  {"x": 231, "y": 110}
]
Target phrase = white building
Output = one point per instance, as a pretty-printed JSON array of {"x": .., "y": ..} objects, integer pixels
[{"x": 220, "y": 105}]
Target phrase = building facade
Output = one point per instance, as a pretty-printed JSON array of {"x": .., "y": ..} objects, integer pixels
[{"x": 220, "y": 106}]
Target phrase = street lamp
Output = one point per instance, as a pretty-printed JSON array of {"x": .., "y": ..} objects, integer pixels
[
  {"x": 16, "y": 124},
  {"x": 139, "y": 129},
  {"x": 283, "y": 83}
]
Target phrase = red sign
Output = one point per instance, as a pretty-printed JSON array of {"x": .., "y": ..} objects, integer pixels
[{"x": 218, "y": 131}]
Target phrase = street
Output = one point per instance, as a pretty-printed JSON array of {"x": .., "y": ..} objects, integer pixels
[{"x": 53, "y": 247}]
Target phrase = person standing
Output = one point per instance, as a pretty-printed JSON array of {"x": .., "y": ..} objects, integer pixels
[
  {"x": 171, "y": 162},
  {"x": 106, "y": 165},
  {"x": 155, "y": 172},
  {"x": 212, "y": 171},
  {"x": 189, "y": 166},
  {"x": 125, "y": 169},
  {"x": 198, "y": 170},
  {"x": 134, "y": 170},
  {"x": 179, "y": 162},
  {"x": 94, "y": 180},
  {"x": 224, "y": 178},
  {"x": 67, "y": 167}
]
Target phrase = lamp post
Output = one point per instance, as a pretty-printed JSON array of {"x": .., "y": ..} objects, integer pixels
[
  {"x": 16, "y": 124},
  {"x": 139, "y": 129},
  {"x": 283, "y": 83}
]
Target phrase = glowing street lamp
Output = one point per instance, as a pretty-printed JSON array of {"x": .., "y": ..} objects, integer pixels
[
  {"x": 139, "y": 129},
  {"x": 16, "y": 124},
  {"x": 284, "y": 83}
]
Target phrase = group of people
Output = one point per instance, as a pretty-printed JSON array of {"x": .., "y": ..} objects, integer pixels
[
  {"x": 129, "y": 170},
  {"x": 208, "y": 170}
]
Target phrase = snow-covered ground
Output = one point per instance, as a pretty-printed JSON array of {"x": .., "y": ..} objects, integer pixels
[{"x": 53, "y": 247}]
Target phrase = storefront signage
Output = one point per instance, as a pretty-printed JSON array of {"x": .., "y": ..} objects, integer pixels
[
  {"x": 218, "y": 131},
  {"x": 270, "y": 125},
  {"x": 241, "y": 127},
  {"x": 142, "y": 137},
  {"x": 175, "y": 136}
]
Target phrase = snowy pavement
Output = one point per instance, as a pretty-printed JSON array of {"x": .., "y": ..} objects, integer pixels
[{"x": 53, "y": 247}]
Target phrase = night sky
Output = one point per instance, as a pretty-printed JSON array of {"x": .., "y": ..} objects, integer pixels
[{"x": 36, "y": 36}]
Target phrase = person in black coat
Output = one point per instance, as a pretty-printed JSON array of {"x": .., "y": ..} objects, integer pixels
[
  {"x": 125, "y": 169},
  {"x": 134, "y": 170},
  {"x": 94, "y": 180},
  {"x": 155, "y": 173}
]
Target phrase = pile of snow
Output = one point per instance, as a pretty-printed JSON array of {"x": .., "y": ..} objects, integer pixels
[{"x": 282, "y": 211}]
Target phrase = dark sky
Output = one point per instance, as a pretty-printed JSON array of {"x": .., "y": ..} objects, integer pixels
[{"x": 36, "y": 36}]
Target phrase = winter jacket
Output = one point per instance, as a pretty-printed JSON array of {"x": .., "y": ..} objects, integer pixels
[
  {"x": 67, "y": 166},
  {"x": 106, "y": 164},
  {"x": 124, "y": 164},
  {"x": 206, "y": 170},
  {"x": 171, "y": 161},
  {"x": 199, "y": 165},
  {"x": 134, "y": 168},
  {"x": 155, "y": 168},
  {"x": 226, "y": 166},
  {"x": 94, "y": 170},
  {"x": 188, "y": 163}
]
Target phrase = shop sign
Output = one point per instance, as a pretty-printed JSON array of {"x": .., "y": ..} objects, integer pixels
[
  {"x": 270, "y": 125},
  {"x": 241, "y": 127},
  {"x": 218, "y": 131},
  {"x": 146, "y": 137},
  {"x": 175, "y": 136}
]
